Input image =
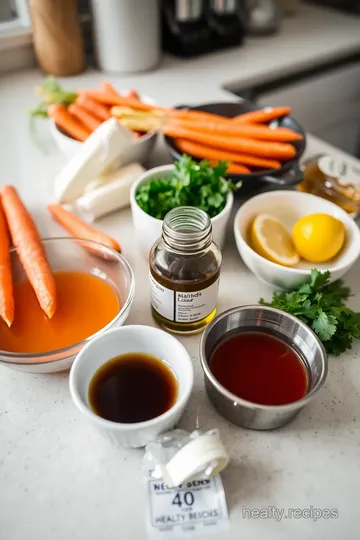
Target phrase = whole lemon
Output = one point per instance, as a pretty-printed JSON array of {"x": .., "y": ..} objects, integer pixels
[{"x": 318, "y": 237}]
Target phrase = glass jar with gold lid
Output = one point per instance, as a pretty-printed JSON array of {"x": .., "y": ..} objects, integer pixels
[{"x": 335, "y": 179}]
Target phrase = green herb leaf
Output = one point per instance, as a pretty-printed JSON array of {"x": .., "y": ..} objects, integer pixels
[
  {"x": 324, "y": 325},
  {"x": 321, "y": 305},
  {"x": 191, "y": 184}
]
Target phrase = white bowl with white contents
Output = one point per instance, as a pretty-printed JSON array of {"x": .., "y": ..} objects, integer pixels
[
  {"x": 137, "y": 151},
  {"x": 149, "y": 229},
  {"x": 289, "y": 207},
  {"x": 132, "y": 339}
]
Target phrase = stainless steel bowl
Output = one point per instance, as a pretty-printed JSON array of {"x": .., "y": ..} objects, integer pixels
[{"x": 282, "y": 325}]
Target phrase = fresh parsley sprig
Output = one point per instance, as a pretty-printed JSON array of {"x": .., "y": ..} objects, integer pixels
[
  {"x": 191, "y": 184},
  {"x": 321, "y": 305}
]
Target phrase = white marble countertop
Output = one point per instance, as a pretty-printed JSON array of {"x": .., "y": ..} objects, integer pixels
[{"x": 58, "y": 478}]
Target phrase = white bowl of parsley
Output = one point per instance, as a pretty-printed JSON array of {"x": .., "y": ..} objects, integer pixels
[{"x": 187, "y": 183}]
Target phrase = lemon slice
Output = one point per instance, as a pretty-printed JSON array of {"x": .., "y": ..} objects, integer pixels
[{"x": 270, "y": 239}]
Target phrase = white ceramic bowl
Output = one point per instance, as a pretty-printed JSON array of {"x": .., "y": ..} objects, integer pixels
[
  {"x": 148, "y": 229},
  {"x": 289, "y": 206},
  {"x": 143, "y": 339},
  {"x": 137, "y": 152}
]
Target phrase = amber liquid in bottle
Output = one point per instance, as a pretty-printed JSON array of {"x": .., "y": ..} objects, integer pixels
[{"x": 184, "y": 272}]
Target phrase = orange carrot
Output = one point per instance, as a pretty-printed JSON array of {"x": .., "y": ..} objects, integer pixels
[
  {"x": 123, "y": 101},
  {"x": 206, "y": 152},
  {"x": 108, "y": 88},
  {"x": 133, "y": 94},
  {"x": 235, "y": 168},
  {"x": 89, "y": 121},
  {"x": 263, "y": 115},
  {"x": 272, "y": 150},
  {"x": 30, "y": 250},
  {"x": 7, "y": 304},
  {"x": 64, "y": 120},
  {"x": 238, "y": 129},
  {"x": 79, "y": 229},
  {"x": 193, "y": 115},
  {"x": 93, "y": 107}
]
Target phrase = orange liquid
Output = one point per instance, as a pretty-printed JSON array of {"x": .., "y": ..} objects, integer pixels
[{"x": 85, "y": 304}]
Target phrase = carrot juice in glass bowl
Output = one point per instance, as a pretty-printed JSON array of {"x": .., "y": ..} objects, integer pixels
[{"x": 95, "y": 290}]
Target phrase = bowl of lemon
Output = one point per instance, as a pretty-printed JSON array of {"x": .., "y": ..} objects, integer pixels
[{"x": 282, "y": 235}]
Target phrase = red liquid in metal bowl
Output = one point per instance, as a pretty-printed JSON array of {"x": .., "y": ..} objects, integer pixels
[{"x": 259, "y": 368}]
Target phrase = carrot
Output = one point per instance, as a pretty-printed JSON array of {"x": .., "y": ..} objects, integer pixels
[
  {"x": 235, "y": 129},
  {"x": 64, "y": 120},
  {"x": 272, "y": 150},
  {"x": 263, "y": 115},
  {"x": 79, "y": 229},
  {"x": 7, "y": 304},
  {"x": 192, "y": 115},
  {"x": 206, "y": 152},
  {"x": 123, "y": 101},
  {"x": 93, "y": 107},
  {"x": 235, "y": 168},
  {"x": 30, "y": 250},
  {"x": 86, "y": 118},
  {"x": 108, "y": 88},
  {"x": 133, "y": 94}
]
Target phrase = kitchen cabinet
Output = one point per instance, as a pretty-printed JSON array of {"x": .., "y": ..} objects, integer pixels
[{"x": 326, "y": 104}]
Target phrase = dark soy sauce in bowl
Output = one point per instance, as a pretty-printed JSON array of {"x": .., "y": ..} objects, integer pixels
[
  {"x": 131, "y": 388},
  {"x": 259, "y": 368}
]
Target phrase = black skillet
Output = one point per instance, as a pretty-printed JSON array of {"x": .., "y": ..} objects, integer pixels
[{"x": 288, "y": 175}]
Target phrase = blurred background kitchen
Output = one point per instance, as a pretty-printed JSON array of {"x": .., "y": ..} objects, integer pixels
[{"x": 130, "y": 36}]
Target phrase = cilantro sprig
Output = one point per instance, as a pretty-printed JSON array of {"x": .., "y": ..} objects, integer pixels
[
  {"x": 191, "y": 184},
  {"x": 321, "y": 305}
]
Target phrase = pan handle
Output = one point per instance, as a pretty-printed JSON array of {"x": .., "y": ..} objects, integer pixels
[{"x": 293, "y": 177}]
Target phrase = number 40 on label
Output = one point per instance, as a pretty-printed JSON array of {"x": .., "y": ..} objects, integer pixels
[{"x": 184, "y": 498}]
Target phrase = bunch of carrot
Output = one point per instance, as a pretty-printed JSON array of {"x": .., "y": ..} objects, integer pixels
[
  {"x": 80, "y": 118},
  {"x": 17, "y": 225},
  {"x": 246, "y": 141}
]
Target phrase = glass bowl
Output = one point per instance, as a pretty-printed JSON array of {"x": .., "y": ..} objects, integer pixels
[{"x": 75, "y": 255}]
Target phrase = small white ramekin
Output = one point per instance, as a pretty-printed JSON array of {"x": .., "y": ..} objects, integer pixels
[
  {"x": 148, "y": 229},
  {"x": 132, "y": 339}
]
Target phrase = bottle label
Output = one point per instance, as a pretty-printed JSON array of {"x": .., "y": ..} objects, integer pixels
[
  {"x": 183, "y": 307},
  {"x": 345, "y": 172}
]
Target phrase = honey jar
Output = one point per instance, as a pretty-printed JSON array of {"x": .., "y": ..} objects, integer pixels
[{"x": 335, "y": 179}]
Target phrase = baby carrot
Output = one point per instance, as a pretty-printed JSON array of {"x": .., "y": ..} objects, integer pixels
[
  {"x": 30, "y": 250},
  {"x": 7, "y": 305},
  {"x": 79, "y": 229},
  {"x": 93, "y": 107},
  {"x": 64, "y": 120},
  {"x": 263, "y": 115},
  {"x": 89, "y": 121},
  {"x": 206, "y": 152}
]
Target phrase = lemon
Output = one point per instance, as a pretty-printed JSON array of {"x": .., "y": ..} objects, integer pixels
[
  {"x": 270, "y": 239},
  {"x": 318, "y": 237}
]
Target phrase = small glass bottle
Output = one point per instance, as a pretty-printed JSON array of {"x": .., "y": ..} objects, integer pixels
[{"x": 184, "y": 272}]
